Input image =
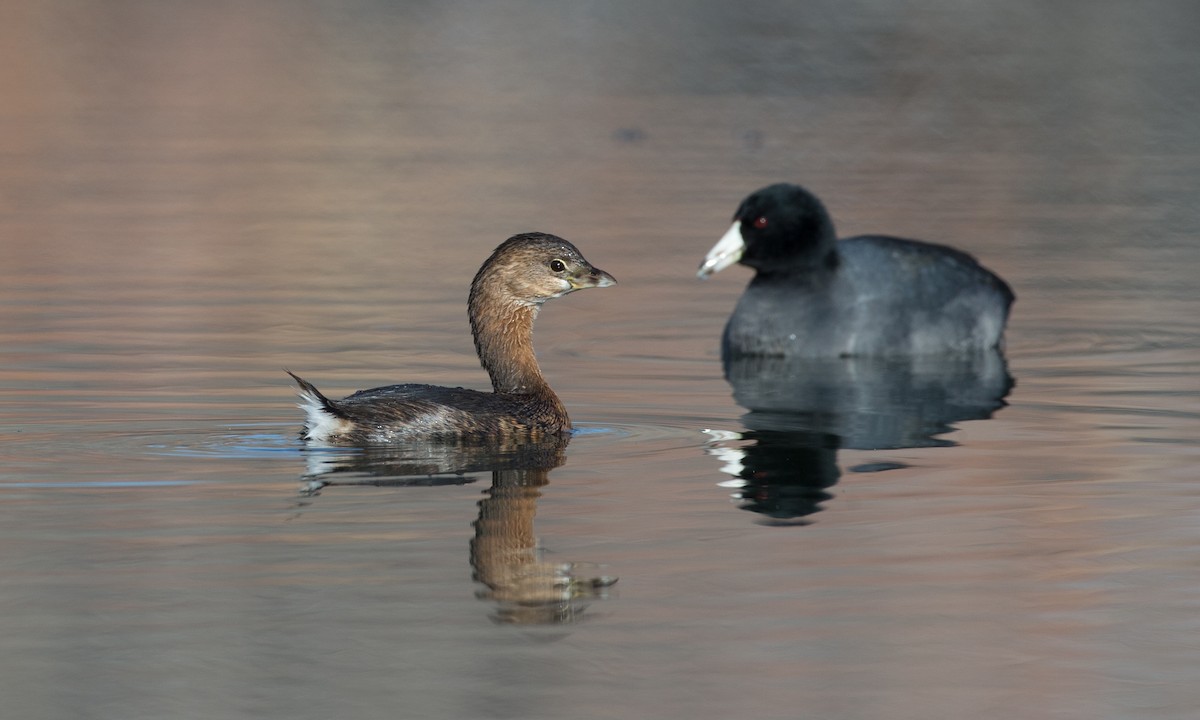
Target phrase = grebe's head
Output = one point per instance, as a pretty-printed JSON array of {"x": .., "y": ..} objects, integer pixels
[{"x": 531, "y": 268}]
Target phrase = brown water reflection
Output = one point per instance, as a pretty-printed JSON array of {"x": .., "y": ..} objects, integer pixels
[
  {"x": 527, "y": 588},
  {"x": 505, "y": 553}
]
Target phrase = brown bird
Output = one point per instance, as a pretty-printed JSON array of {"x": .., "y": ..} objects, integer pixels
[{"x": 506, "y": 294}]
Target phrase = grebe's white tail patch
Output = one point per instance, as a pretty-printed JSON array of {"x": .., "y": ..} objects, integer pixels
[{"x": 322, "y": 420}]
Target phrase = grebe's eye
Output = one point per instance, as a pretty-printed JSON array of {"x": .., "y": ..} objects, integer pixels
[
  {"x": 760, "y": 222},
  {"x": 557, "y": 265}
]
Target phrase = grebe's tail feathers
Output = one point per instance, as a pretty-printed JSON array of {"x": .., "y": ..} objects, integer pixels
[{"x": 324, "y": 418}]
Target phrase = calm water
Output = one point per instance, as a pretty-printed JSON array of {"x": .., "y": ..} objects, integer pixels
[{"x": 194, "y": 196}]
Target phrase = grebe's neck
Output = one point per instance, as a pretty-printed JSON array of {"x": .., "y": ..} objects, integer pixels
[{"x": 503, "y": 330}]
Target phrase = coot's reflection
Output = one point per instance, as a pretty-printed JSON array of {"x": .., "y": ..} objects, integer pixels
[
  {"x": 802, "y": 411},
  {"x": 504, "y": 554}
]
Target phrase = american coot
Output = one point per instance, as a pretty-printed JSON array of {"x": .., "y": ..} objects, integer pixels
[
  {"x": 506, "y": 294},
  {"x": 872, "y": 295}
]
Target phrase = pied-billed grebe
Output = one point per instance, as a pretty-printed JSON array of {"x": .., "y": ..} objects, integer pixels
[
  {"x": 871, "y": 295},
  {"x": 506, "y": 294}
]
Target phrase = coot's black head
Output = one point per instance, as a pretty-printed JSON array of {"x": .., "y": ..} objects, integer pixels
[{"x": 779, "y": 228}]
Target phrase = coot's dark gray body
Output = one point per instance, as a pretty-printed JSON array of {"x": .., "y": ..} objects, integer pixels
[{"x": 872, "y": 295}]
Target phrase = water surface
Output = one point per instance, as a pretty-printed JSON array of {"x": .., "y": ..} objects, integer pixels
[{"x": 195, "y": 196}]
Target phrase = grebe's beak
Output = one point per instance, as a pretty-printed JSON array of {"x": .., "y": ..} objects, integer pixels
[
  {"x": 594, "y": 278},
  {"x": 726, "y": 252}
]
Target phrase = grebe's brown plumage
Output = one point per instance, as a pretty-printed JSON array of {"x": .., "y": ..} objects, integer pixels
[{"x": 506, "y": 294}]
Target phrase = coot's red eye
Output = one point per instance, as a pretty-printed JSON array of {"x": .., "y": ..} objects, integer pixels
[{"x": 760, "y": 222}]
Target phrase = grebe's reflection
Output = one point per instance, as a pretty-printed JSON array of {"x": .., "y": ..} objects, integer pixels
[
  {"x": 504, "y": 552},
  {"x": 801, "y": 412},
  {"x": 505, "y": 556}
]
